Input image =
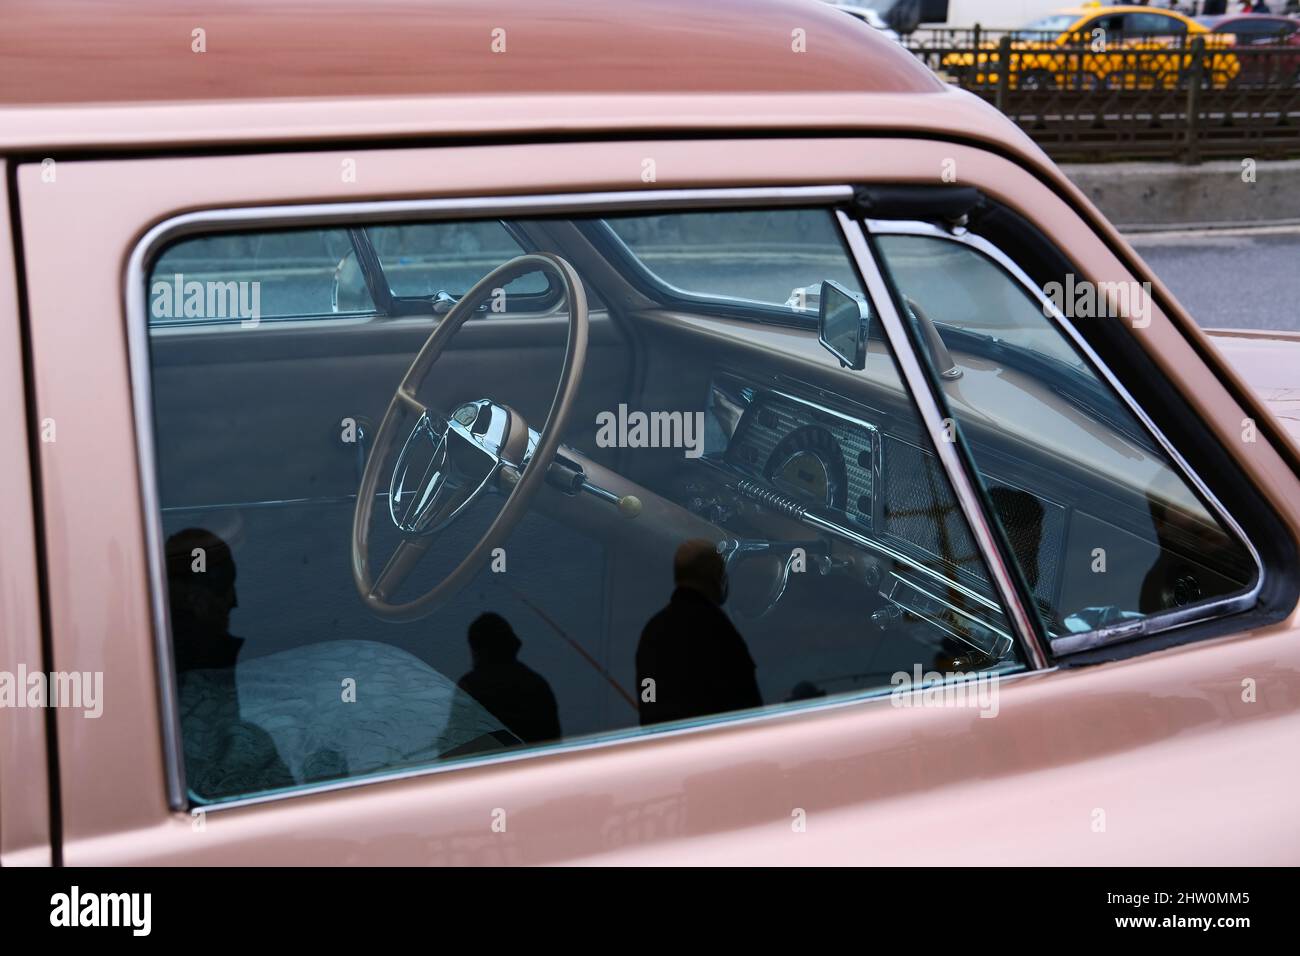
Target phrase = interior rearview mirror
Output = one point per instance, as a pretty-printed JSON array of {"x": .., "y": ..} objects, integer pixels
[{"x": 843, "y": 320}]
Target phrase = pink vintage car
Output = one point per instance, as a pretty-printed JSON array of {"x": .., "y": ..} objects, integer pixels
[{"x": 538, "y": 432}]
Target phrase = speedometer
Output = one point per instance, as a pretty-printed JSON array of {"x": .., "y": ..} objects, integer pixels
[{"x": 809, "y": 465}]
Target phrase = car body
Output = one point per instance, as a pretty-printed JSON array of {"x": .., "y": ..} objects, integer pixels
[
  {"x": 1255, "y": 29},
  {"x": 391, "y": 218},
  {"x": 1096, "y": 47}
]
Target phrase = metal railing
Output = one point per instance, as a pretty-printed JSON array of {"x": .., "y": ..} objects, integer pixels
[{"x": 1131, "y": 97}]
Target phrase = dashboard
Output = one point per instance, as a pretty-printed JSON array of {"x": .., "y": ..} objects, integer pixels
[
  {"x": 861, "y": 479},
  {"x": 818, "y": 457}
]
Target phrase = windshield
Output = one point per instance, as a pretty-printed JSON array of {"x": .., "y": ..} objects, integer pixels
[
  {"x": 963, "y": 290},
  {"x": 774, "y": 258},
  {"x": 422, "y": 260}
]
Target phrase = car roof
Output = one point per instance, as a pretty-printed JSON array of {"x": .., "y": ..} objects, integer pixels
[
  {"x": 285, "y": 73},
  {"x": 1087, "y": 11},
  {"x": 124, "y": 51}
]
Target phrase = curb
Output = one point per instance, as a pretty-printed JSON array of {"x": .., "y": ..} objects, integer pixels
[{"x": 1209, "y": 196}]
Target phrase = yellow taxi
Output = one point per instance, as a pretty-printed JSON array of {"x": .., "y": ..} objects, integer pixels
[{"x": 1096, "y": 47}]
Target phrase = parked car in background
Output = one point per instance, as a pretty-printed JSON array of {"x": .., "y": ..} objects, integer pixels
[
  {"x": 867, "y": 15},
  {"x": 961, "y": 14},
  {"x": 1096, "y": 47},
  {"x": 1259, "y": 30}
]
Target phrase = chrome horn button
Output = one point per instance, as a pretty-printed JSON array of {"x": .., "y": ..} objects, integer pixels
[
  {"x": 444, "y": 465},
  {"x": 418, "y": 476}
]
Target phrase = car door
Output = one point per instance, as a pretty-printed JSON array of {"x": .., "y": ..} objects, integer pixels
[
  {"x": 26, "y": 828},
  {"x": 846, "y": 778}
]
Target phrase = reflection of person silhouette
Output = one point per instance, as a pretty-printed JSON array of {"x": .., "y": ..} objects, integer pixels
[
  {"x": 201, "y": 585},
  {"x": 512, "y": 692},
  {"x": 696, "y": 658},
  {"x": 223, "y": 754}
]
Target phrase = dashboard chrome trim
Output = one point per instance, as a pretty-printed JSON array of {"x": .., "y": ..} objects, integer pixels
[
  {"x": 997, "y": 648},
  {"x": 876, "y": 439}
]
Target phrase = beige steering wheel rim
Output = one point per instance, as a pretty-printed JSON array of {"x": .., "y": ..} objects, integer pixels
[{"x": 375, "y": 592}]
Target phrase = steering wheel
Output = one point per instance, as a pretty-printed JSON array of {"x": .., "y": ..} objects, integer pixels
[{"x": 447, "y": 462}]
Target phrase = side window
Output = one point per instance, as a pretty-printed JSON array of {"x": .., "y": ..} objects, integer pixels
[
  {"x": 1153, "y": 24},
  {"x": 1262, "y": 29},
  {"x": 1107, "y": 529},
  {"x": 246, "y": 277},
  {"x": 1114, "y": 24},
  {"x": 738, "y": 528}
]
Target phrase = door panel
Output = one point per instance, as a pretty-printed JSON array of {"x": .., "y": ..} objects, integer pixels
[{"x": 286, "y": 390}]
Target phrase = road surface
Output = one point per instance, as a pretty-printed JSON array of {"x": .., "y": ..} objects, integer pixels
[{"x": 1241, "y": 279}]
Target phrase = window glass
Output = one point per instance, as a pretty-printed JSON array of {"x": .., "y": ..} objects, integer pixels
[
  {"x": 773, "y": 257},
  {"x": 1113, "y": 24},
  {"x": 970, "y": 292},
  {"x": 1259, "y": 27},
  {"x": 723, "y": 533},
  {"x": 246, "y": 277},
  {"x": 1154, "y": 24},
  {"x": 1035, "y": 29},
  {"x": 423, "y": 259},
  {"x": 1106, "y": 529}
]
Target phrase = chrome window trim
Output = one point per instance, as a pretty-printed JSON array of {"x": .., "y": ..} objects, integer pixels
[
  {"x": 629, "y": 736},
  {"x": 234, "y": 320},
  {"x": 279, "y": 216},
  {"x": 481, "y": 207},
  {"x": 947, "y": 452},
  {"x": 1155, "y": 623}
]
